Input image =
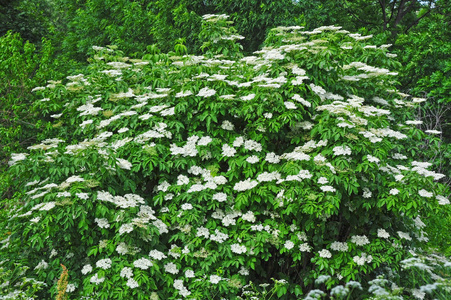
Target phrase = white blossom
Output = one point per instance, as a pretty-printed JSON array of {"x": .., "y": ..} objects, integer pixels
[{"x": 325, "y": 253}]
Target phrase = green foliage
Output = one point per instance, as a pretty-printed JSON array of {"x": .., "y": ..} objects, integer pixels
[
  {"x": 190, "y": 176},
  {"x": 21, "y": 69}
]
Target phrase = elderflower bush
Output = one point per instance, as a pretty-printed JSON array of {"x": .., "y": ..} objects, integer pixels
[{"x": 180, "y": 176}]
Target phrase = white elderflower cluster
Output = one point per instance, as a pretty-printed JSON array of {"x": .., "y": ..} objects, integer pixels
[
  {"x": 442, "y": 200},
  {"x": 215, "y": 279},
  {"x": 42, "y": 265},
  {"x": 128, "y": 200},
  {"x": 126, "y": 272},
  {"x": 171, "y": 268},
  {"x": 272, "y": 158},
  {"x": 252, "y": 145},
  {"x": 102, "y": 223},
  {"x": 219, "y": 236},
  {"x": 249, "y": 217},
  {"x": 245, "y": 185},
  {"x": 132, "y": 283},
  {"x": 188, "y": 150},
  {"x": 96, "y": 280},
  {"x": 342, "y": 150},
  {"x": 424, "y": 193},
  {"x": 178, "y": 285},
  {"x": 125, "y": 228},
  {"x": 404, "y": 235},
  {"x": 382, "y": 233},
  {"x": 301, "y": 100},
  {"x": 227, "y": 125},
  {"x": 360, "y": 240},
  {"x": 228, "y": 151},
  {"x": 238, "y": 249},
  {"x": 142, "y": 263},
  {"x": 104, "y": 263},
  {"x": 327, "y": 188},
  {"x": 288, "y": 245},
  {"x": 363, "y": 259},
  {"x": 325, "y": 253},
  {"x": 187, "y": 206},
  {"x": 86, "y": 269},
  {"x": 394, "y": 192},
  {"x": 339, "y": 246},
  {"x": 252, "y": 159},
  {"x": 15, "y": 157},
  {"x": 157, "y": 255}
]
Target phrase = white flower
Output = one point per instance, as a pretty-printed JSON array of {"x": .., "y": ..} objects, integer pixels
[
  {"x": 48, "y": 206},
  {"x": 404, "y": 235},
  {"x": 359, "y": 240},
  {"x": 104, "y": 263},
  {"x": 124, "y": 164},
  {"x": 202, "y": 231},
  {"x": 252, "y": 145},
  {"x": 219, "y": 236},
  {"x": 42, "y": 265},
  {"x": 323, "y": 180},
  {"x": 372, "y": 159},
  {"x": 301, "y": 100},
  {"x": 245, "y": 185},
  {"x": 125, "y": 228},
  {"x": 182, "y": 179},
  {"x": 433, "y": 131},
  {"x": 142, "y": 263},
  {"x": 122, "y": 248},
  {"x": 239, "y": 249},
  {"x": 325, "y": 253},
  {"x": 83, "y": 196},
  {"x": 382, "y": 233},
  {"x": 70, "y": 288},
  {"x": 424, "y": 193},
  {"x": 171, "y": 268},
  {"x": 361, "y": 260},
  {"x": 252, "y": 159},
  {"x": 267, "y": 115},
  {"x": 366, "y": 193},
  {"x": 131, "y": 283},
  {"x": 35, "y": 220},
  {"x": 126, "y": 272},
  {"x": 327, "y": 188},
  {"x": 215, "y": 279},
  {"x": 442, "y": 200},
  {"x": 206, "y": 92},
  {"x": 228, "y": 151},
  {"x": 248, "y": 97},
  {"x": 289, "y": 105},
  {"x": 227, "y": 125},
  {"x": 95, "y": 279},
  {"x": 102, "y": 223},
  {"x": 249, "y": 216},
  {"x": 204, "y": 141},
  {"x": 394, "y": 192},
  {"x": 220, "y": 197},
  {"x": 342, "y": 150},
  {"x": 339, "y": 246},
  {"x": 289, "y": 245},
  {"x": 189, "y": 274},
  {"x": 272, "y": 158},
  {"x": 158, "y": 255},
  {"x": 86, "y": 269},
  {"x": 187, "y": 206}
]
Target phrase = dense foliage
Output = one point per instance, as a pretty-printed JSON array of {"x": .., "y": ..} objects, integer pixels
[{"x": 223, "y": 175}]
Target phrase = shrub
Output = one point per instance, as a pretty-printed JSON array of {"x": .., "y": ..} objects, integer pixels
[{"x": 191, "y": 176}]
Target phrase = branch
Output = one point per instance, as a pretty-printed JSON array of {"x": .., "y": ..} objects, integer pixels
[{"x": 414, "y": 23}]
